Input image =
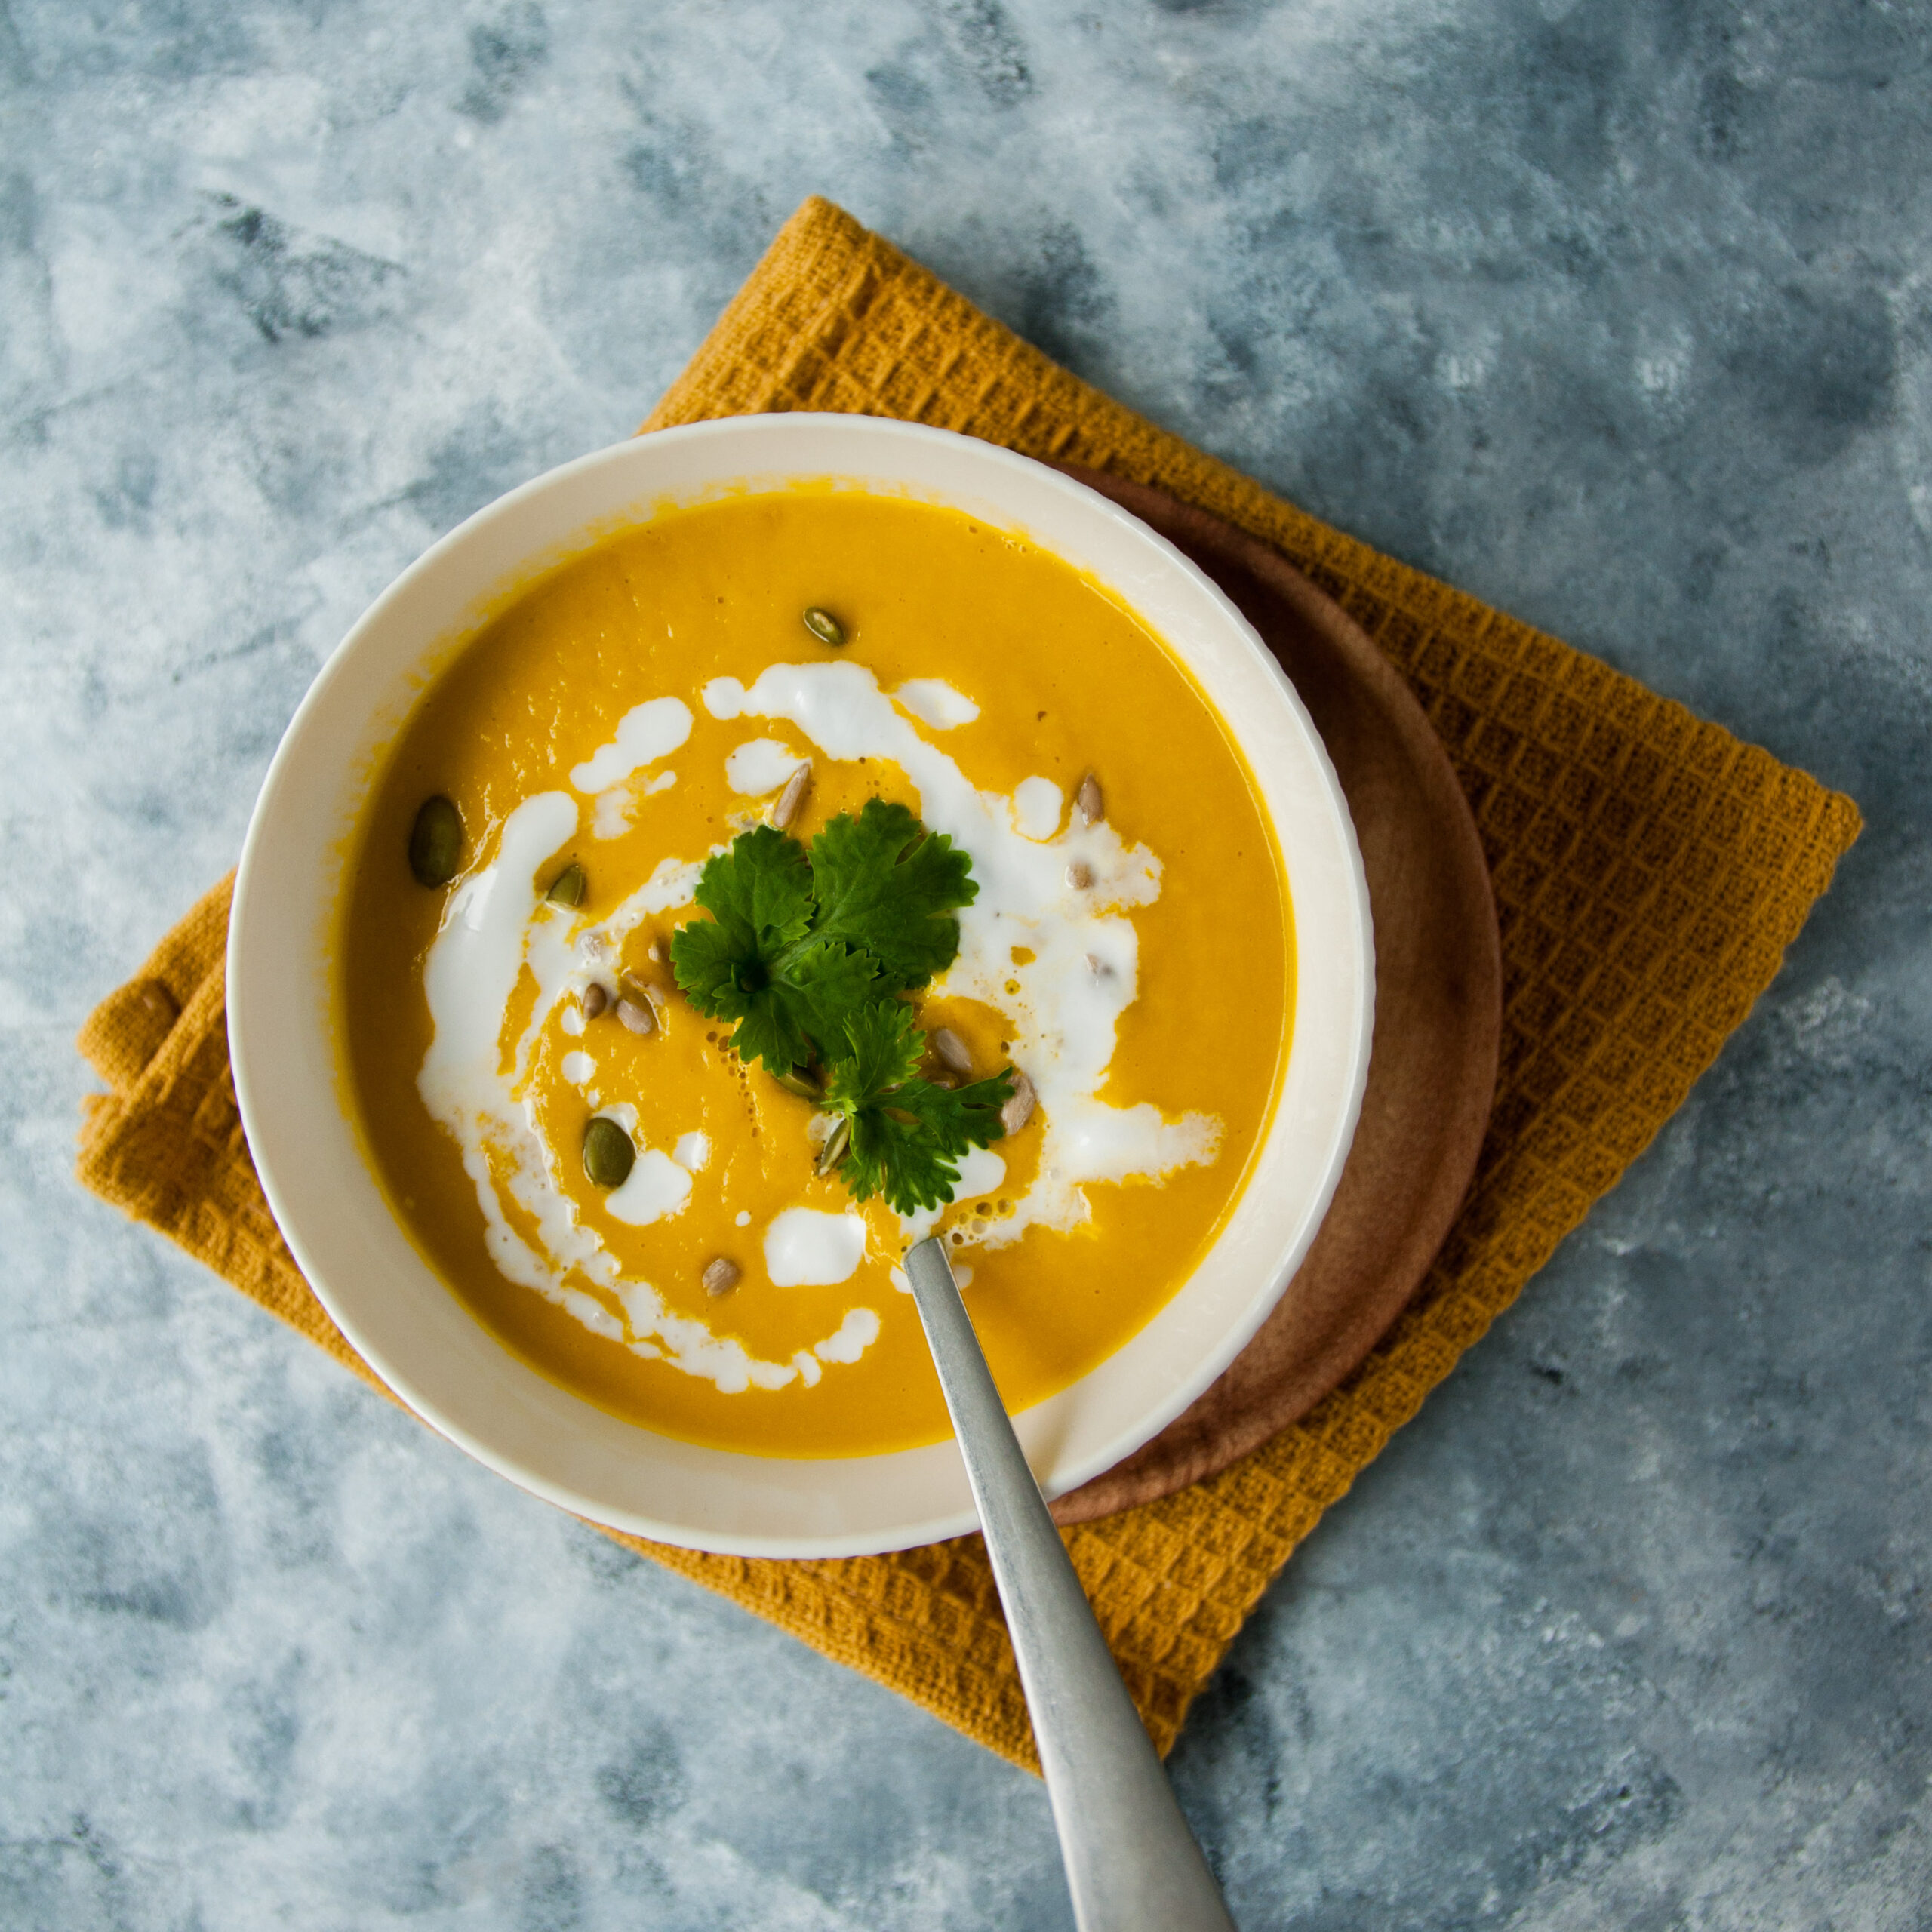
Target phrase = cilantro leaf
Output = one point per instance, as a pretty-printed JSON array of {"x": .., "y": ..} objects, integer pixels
[
  {"x": 907, "y": 1134},
  {"x": 768, "y": 1029},
  {"x": 907, "y": 1147},
  {"x": 763, "y": 885},
  {"x": 882, "y": 881},
  {"x": 724, "y": 975},
  {"x": 759, "y": 895},
  {"x": 705, "y": 954},
  {"x": 827, "y": 981},
  {"x": 755, "y": 962},
  {"x": 883, "y": 1050}
]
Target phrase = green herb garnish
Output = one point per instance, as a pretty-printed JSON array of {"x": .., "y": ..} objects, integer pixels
[
  {"x": 807, "y": 953},
  {"x": 758, "y": 960},
  {"x": 907, "y": 1134}
]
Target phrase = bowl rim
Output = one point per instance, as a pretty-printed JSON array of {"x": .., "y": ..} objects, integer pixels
[{"x": 272, "y": 1118}]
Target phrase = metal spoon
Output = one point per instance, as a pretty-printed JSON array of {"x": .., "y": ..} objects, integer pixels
[{"x": 1132, "y": 1864}]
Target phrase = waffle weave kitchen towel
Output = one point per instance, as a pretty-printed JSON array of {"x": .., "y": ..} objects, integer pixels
[{"x": 1650, "y": 871}]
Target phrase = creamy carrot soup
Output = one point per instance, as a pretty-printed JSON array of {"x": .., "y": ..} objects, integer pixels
[{"x": 671, "y": 1227}]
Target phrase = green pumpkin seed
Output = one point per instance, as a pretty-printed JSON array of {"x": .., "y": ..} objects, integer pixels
[
  {"x": 800, "y": 1083},
  {"x": 823, "y": 625},
  {"x": 608, "y": 1155},
  {"x": 837, "y": 1143},
  {"x": 435, "y": 842},
  {"x": 567, "y": 888}
]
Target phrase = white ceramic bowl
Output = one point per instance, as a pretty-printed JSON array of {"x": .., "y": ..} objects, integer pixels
[{"x": 410, "y": 1327}]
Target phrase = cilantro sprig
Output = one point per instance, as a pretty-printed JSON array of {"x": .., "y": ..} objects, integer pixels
[
  {"x": 906, "y": 1133},
  {"x": 807, "y": 954}
]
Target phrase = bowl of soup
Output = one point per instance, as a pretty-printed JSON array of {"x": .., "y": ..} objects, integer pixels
[{"x": 742, "y": 853}]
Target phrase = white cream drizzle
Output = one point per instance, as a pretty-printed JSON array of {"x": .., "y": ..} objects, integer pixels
[
  {"x": 760, "y": 765},
  {"x": 1036, "y": 808},
  {"x": 932, "y": 701},
  {"x": 1063, "y": 1007},
  {"x": 804, "y": 1248},
  {"x": 614, "y": 808},
  {"x": 645, "y": 733},
  {"x": 656, "y": 1187},
  {"x": 610, "y": 814},
  {"x": 856, "y": 1333}
]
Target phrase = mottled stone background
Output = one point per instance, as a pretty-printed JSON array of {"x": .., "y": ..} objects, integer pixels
[{"x": 1619, "y": 314}]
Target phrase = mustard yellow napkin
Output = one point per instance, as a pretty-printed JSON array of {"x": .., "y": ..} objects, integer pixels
[{"x": 1650, "y": 871}]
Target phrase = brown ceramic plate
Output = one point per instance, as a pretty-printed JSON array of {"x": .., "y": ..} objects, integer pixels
[{"x": 1438, "y": 1014}]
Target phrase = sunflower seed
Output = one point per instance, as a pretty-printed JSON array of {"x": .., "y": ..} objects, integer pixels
[
  {"x": 1088, "y": 799},
  {"x": 951, "y": 1049},
  {"x": 721, "y": 1276},
  {"x": 823, "y": 625},
  {"x": 1019, "y": 1108},
  {"x": 608, "y": 1155},
  {"x": 1080, "y": 875},
  {"x": 792, "y": 797},
  {"x": 637, "y": 1016},
  {"x": 595, "y": 999},
  {"x": 435, "y": 842},
  {"x": 836, "y": 1142},
  {"x": 567, "y": 888}
]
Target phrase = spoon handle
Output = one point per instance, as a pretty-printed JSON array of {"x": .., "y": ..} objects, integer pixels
[{"x": 1132, "y": 1864}]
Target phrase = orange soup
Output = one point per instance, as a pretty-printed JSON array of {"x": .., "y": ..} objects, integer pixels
[{"x": 511, "y": 1012}]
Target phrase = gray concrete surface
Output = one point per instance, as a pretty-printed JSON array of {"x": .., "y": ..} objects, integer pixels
[{"x": 1620, "y": 316}]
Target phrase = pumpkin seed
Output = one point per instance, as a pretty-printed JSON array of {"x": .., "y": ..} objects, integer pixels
[
  {"x": 802, "y": 1084},
  {"x": 637, "y": 1016},
  {"x": 952, "y": 1050},
  {"x": 836, "y": 1144},
  {"x": 608, "y": 1155},
  {"x": 567, "y": 888},
  {"x": 595, "y": 999},
  {"x": 436, "y": 842},
  {"x": 721, "y": 1276},
  {"x": 823, "y": 625},
  {"x": 1088, "y": 799},
  {"x": 1019, "y": 1108},
  {"x": 792, "y": 797},
  {"x": 1080, "y": 875}
]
